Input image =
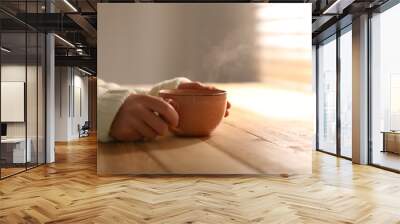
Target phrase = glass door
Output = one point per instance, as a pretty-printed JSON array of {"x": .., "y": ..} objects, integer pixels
[
  {"x": 327, "y": 95},
  {"x": 14, "y": 153},
  {"x": 334, "y": 66},
  {"x": 22, "y": 77},
  {"x": 385, "y": 89}
]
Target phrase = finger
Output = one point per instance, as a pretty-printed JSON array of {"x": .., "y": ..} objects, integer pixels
[
  {"x": 166, "y": 111},
  {"x": 226, "y": 113},
  {"x": 126, "y": 134},
  {"x": 133, "y": 135},
  {"x": 228, "y": 105},
  {"x": 144, "y": 130},
  {"x": 155, "y": 122}
]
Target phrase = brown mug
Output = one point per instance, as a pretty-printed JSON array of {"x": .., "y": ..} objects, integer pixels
[{"x": 200, "y": 110}]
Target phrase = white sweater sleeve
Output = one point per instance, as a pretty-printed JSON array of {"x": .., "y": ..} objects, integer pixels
[
  {"x": 167, "y": 84},
  {"x": 111, "y": 96}
]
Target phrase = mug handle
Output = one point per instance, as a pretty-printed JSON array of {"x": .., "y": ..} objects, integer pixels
[
  {"x": 173, "y": 104},
  {"x": 176, "y": 107}
]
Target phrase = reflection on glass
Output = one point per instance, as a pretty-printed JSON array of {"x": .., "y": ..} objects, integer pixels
[
  {"x": 41, "y": 98},
  {"x": 394, "y": 102},
  {"x": 15, "y": 151},
  {"x": 346, "y": 94},
  {"x": 22, "y": 91},
  {"x": 327, "y": 96},
  {"x": 31, "y": 100},
  {"x": 386, "y": 89}
]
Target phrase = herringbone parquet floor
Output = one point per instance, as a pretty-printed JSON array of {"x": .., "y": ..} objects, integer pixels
[{"x": 69, "y": 191}]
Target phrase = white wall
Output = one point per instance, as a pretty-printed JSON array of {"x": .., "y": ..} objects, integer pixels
[
  {"x": 69, "y": 82},
  {"x": 62, "y": 81},
  {"x": 80, "y": 94},
  {"x": 12, "y": 73}
]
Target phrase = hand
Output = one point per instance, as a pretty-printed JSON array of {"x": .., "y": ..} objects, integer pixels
[
  {"x": 198, "y": 85},
  {"x": 143, "y": 117}
]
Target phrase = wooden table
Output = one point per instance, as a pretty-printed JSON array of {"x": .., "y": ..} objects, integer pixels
[
  {"x": 15, "y": 152},
  {"x": 245, "y": 143},
  {"x": 391, "y": 141}
]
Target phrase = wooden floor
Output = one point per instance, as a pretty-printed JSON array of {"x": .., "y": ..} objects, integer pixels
[
  {"x": 386, "y": 159},
  {"x": 10, "y": 171},
  {"x": 69, "y": 191}
]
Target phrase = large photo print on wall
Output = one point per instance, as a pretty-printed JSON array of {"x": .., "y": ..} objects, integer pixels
[{"x": 204, "y": 89}]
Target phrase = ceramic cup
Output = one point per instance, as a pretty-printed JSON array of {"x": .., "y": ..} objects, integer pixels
[{"x": 200, "y": 111}]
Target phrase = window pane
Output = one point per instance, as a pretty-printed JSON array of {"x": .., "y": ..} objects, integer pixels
[
  {"x": 32, "y": 88},
  {"x": 346, "y": 94},
  {"x": 41, "y": 98},
  {"x": 31, "y": 97},
  {"x": 327, "y": 96},
  {"x": 386, "y": 89}
]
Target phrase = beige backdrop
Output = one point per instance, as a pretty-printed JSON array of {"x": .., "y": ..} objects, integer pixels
[{"x": 146, "y": 43}]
